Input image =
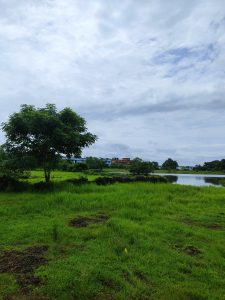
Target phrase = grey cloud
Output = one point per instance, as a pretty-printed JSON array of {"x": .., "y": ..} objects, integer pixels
[
  {"x": 174, "y": 105},
  {"x": 137, "y": 70}
]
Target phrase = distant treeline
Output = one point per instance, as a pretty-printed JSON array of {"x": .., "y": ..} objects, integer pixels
[{"x": 215, "y": 165}]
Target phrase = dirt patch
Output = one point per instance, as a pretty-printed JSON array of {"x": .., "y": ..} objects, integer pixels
[
  {"x": 191, "y": 250},
  {"x": 22, "y": 264},
  {"x": 212, "y": 226},
  {"x": 140, "y": 275},
  {"x": 88, "y": 220},
  {"x": 186, "y": 271}
]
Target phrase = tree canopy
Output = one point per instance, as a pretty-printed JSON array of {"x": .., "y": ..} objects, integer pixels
[
  {"x": 138, "y": 166},
  {"x": 170, "y": 164},
  {"x": 215, "y": 165},
  {"x": 95, "y": 163},
  {"x": 45, "y": 133}
]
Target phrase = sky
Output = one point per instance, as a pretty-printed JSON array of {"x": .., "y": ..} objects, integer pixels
[{"x": 147, "y": 75}]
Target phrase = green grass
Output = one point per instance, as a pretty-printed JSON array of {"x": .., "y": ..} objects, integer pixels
[
  {"x": 56, "y": 176},
  {"x": 138, "y": 253},
  {"x": 119, "y": 170}
]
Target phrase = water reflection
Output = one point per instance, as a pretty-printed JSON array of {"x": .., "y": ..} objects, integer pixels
[
  {"x": 215, "y": 180},
  {"x": 171, "y": 178}
]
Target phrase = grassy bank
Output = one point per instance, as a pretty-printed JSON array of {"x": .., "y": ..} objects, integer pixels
[
  {"x": 38, "y": 175},
  {"x": 123, "y": 241}
]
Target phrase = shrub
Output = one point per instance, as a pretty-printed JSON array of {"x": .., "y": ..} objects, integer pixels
[
  {"x": 127, "y": 179},
  {"x": 42, "y": 186},
  {"x": 8, "y": 183},
  {"x": 123, "y": 179},
  {"x": 80, "y": 167},
  {"x": 104, "y": 180},
  {"x": 78, "y": 181}
]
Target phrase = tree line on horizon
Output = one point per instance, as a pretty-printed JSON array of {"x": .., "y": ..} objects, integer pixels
[
  {"x": 37, "y": 137},
  {"x": 215, "y": 165}
]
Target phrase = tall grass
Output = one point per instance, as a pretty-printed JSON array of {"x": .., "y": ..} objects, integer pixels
[{"x": 140, "y": 252}]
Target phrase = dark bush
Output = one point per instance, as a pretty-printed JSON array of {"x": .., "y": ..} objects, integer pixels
[
  {"x": 78, "y": 181},
  {"x": 42, "y": 186},
  {"x": 80, "y": 167},
  {"x": 151, "y": 179},
  {"x": 128, "y": 179},
  {"x": 8, "y": 183},
  {"x": 141, "y": 178},
  {"x": 123, "y": 179},
  {"x": 104, "y": 180}
]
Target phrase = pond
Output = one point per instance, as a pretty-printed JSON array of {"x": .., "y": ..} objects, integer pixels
[{"x": 195, "y": 179}]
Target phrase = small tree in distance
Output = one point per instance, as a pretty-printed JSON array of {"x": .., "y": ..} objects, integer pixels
[
  {"x": 44, "y": 134},
  {"x": 170, "y": 164},
  {"x": 95, "y": 163},
  {"x": 138, "y": 166}
]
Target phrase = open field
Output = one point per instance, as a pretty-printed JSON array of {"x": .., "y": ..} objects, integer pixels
[
  {"x": 38, "y": 175},
  {"x": 122, "y": 241}
]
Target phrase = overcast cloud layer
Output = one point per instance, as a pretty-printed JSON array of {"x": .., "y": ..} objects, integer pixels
[{"x": 148, "y": 76}]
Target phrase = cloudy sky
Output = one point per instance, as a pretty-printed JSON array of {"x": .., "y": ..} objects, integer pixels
[{"x": 148, "y": 75}]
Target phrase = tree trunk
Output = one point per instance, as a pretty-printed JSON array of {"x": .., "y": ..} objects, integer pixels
[{"x": 47, "y": 172}]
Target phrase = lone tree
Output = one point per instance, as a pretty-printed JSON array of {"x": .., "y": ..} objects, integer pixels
[
  {"x": 170, "y": 164},
  {"x": 138, "y": 166},
  {"x": 44, "y": 134}
]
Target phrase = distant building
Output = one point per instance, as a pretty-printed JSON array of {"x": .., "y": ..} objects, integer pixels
[
  {"x": 76, "y": 160},
  {"x": 124, "y": 161},
  {"x": 79, "y": 160},
  {"x": 107, "y": 161},
  {"x": 115, "y": 160}
]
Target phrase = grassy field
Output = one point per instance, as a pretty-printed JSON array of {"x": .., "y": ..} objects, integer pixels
[
  {"x": 38, "y": 175},
  {"x": 123, "y": 241}
]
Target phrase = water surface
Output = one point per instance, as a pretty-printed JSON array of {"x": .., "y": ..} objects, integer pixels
[{"x": 195, "y": 179}]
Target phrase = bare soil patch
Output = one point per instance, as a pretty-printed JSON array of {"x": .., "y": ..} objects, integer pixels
[
  {"x": 23, "y": 264},
  {"x": 84, "y": 221},
  {"x": 140, "y": 275},
  {"x": 191, "y": 250},
  {"x": 212, "y": 226}
]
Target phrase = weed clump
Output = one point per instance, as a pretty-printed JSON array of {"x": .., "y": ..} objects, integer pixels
[{"x": 55, "y": 233}]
